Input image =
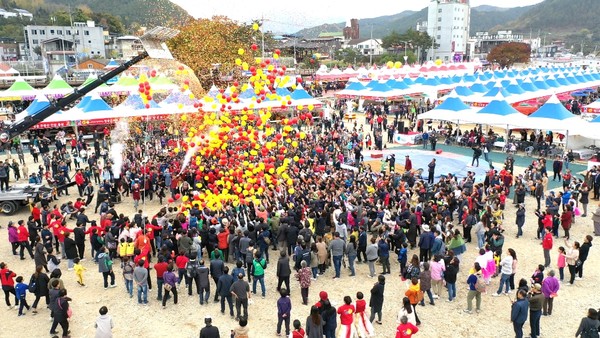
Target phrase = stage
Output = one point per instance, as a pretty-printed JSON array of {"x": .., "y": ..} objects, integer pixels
[{"x": 446, "y": 163}]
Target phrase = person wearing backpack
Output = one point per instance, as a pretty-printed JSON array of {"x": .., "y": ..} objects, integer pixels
[
  {"x": 589, "y": 326},
  {"x": 258, "y": 266},
  {"x": 192, "y": 275},
  {"x": 105, "y": 266},
  {"x": 476, "y": 287}
]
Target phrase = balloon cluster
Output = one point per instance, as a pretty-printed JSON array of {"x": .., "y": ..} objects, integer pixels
[
  {"x": 145, "y": 89},
  {"x": 392, "y": 64},
  {"x": 236, "y": 153}
]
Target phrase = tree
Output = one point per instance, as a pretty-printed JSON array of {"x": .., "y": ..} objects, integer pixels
[
  {"x": 205, "y": 43},
  {"x": 412, "y": 40},
  {"x": 509, "y": 53},
  {"x": 349, "y": 56}
]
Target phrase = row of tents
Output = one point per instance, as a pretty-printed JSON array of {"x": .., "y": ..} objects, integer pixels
[
  {"x": 94, "y": 110},
  {"x": 499, "y": 113},
  {"x": 515, "y": 86}
]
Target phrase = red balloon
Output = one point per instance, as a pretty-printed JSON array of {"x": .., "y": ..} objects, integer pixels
[
  {"x": 178, "y": 196},
  {"x": 254, "y": 46},
  {"x": 170, "y": 200}
]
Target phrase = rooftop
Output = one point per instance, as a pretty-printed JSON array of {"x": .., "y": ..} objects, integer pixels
[{"x": 331, "y": 34}]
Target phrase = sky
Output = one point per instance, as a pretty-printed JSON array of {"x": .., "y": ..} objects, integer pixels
[{"x": 289, "y": 17}]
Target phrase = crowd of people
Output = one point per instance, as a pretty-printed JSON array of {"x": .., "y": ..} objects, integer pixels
[{"x": 336, "y": 217}]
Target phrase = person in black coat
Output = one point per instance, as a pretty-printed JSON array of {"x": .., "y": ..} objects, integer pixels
[
  {"x": 209, "y": 331},
  {"x": 42, "y": 282},
  {"x": 283, "y": 271},
  {"x": 292, "y": 237},
  {"x": 583, "y": 255},
  {"x": 60, "y": 312},
  {"x": 70, "y": 249},
  {"x": 79, "y": 234},
  {"x": 376, "y": 301}
]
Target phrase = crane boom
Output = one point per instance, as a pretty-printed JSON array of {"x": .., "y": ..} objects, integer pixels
[
  {"x": 153, "y": 42},
  {"x": 29, "y": 121}
]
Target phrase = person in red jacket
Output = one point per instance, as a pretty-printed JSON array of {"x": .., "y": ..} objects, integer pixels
[
  {"x": 566, "y": 219},
  {"x": 36, "y": 212},
  {"x": 143, "y": 254},
  {"x": 160, "y": 268},
  {"x": 405, "y": 329},
  {"x": 60, "y": 236},
  {"x": 150, "y": 228},
  {"x": 8, "y": 284},
  {"x": 547, "y": 244},
  {"x": 346, "y": 312},
  {"x": 223, "y": 241},
  {"x": 80, "y": 181},
  {"x": 23, "y": 237}
]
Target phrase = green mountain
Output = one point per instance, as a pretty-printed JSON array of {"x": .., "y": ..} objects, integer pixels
[
  {"x": 559, "y": 16},
  {"x": 140, "y": 12},
  {"x": 483, "y": 18},
  {"x": 563, "y": 18}
]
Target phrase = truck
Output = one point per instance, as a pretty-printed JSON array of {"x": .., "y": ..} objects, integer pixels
[{"x": 21, "y": 195}]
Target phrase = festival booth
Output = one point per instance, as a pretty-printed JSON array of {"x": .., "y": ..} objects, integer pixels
[
  {"x": 453, "y": 109},
  {"x": 161, "y": 83},
  {"x": 102, "y": 90},
  {"x": 125, "y": 85},
  {"x": 91, "y": 110},
  {"x": 353, "y": 89},
  {"x": 19, "y": 90},
  {"x": 40, "y": 102},
  {"x": 555, "y": 117},
  {"x": 57, "y": 88}
]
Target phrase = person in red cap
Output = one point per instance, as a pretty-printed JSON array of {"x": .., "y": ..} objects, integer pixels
[{"x": 322, "y": 298}]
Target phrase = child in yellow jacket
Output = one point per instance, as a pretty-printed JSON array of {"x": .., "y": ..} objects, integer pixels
[
  {"x": 130, "y": 247},
  {"x": 122, "y": 248},
  {"x": 79, "y": 269}
]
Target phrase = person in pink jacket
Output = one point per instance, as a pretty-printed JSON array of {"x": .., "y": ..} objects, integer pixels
[{"x": 13, "y": 237}]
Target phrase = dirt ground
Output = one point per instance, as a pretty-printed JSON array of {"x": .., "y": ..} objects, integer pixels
[{"x": 186, "y": 318}]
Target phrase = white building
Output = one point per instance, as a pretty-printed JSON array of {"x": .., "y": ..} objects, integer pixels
[
  {"x": 87, "y": 40},
  {"x": 366, "y": 47},
  {"x": 448, "y": 24}
]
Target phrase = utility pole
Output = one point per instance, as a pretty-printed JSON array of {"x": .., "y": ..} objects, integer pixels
[{"x": 371, "y": 47}]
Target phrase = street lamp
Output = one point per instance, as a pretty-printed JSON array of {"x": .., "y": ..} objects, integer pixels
[{"x": 405, "y": 48}]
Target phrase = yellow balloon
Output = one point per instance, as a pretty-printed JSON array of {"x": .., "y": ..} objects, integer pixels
[
  {"x": 302, "y": 135},
  {"x": 296, "y": 158},
  {"x": 398, "y": 64},
  {"x": 255, "y": 26},
  {"x": 241, "y": 51},
  {"x": 311, "y": 107},
  {"x": 238, "y": 62},
  {"x": 438, "y": 62},
  {"x": 390, "y": 64},
  {"x": 185, "y": 198},
  {"x": 291, "y": 191},
  {"x": 294, "y": 144}
]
